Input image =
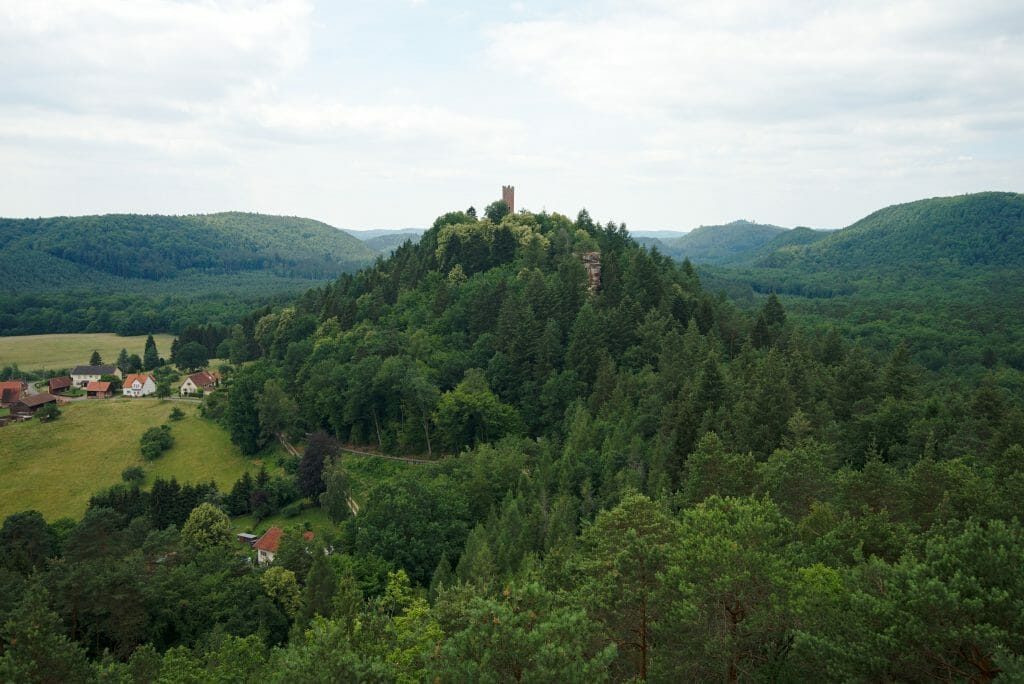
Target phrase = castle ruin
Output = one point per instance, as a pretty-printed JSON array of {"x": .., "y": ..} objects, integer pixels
[{"x": 508, "y": 196}]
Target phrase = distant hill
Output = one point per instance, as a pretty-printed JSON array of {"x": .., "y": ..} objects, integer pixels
[
  {"x": 944, "y": 272},
  {"x": 371, "y": 233},
  {"x": 134, "y": 274},
  {"x": 111, "y": 251},
  {"x": 389, "y": 242},
  {"x": 718, "y": 244},
  {"x": 968, "y": 231}
]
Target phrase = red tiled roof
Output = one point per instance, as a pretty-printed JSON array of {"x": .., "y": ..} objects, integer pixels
[
  {"x": 269, "y": 541},
  {"x": 272, "y": 538},
  {"x": 10, "y": 390},
  {"x": 141, "y": 377},
  {"x": 96, "y": 386},
  {"x": 204, "y": 379}
]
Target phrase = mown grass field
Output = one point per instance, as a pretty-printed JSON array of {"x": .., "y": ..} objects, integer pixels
[
  {"x": 55, "y": 467},
  {"x": 37, "y": 352}
]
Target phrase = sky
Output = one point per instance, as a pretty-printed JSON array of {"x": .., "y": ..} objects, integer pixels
[{"x": 661, "y": 114}]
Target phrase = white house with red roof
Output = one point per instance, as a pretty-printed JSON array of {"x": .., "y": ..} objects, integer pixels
[
  {"x": 138, "y": 385},
  {"x": 206, "y": 381},
  {"x": 267, "y": 545}
]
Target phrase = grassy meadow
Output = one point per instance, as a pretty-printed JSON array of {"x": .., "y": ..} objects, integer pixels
[
  {"x": 37, "y": 352},
  {"x": 55, "y": 467}
]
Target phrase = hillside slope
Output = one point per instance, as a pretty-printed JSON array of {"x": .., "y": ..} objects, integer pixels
[
  {"x": 64, "y": 253},
  {"x": 947, "y": 269},
  {"x": 719, "y": 244},
  {"x": 979, "y": 230}
]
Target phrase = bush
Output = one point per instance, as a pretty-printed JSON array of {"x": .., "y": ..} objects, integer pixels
[
  {"x": 133, "y": 475},
  {"x": 177, "y": 414},
  {"x": 155, "y": 441},
  {"x": 48, "y": 412},
  {"x": 292, "y": 510}
]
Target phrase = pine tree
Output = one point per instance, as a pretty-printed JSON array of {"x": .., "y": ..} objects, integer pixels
[
  {"x": 150, "y": 356},
  {"x": 123, "y": 361},
  {"x": 35, "y": 648},
  {"x": 95, "y": 359},
  {"x": 443, "y": 578}
]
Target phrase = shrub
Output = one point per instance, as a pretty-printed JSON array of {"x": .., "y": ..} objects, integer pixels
[
  {"x": 133, "y": 475},
  {"x": 177, "y": 414},
  {"x": 292, "y": 510},
  {"x": 155, "y": 441}
]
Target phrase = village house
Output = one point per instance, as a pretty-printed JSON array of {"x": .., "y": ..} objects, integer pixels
[
  {"x": 138, "y": 385},
  {"x": 98, "y": 390},
  {"x": 26, "y": 407},
  {"x": 83, "y": 375},
  {"x": 60, "y": 385},
  {"x": 11, "y": 391},
  {"x": 267, "y": 545},
  {"x": 206, "y": 381}
]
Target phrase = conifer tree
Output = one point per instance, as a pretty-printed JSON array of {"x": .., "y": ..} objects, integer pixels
[{"x": 150, "y": 356}]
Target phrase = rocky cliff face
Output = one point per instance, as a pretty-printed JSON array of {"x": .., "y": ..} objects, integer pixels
[{"x": 592, "y": 262}]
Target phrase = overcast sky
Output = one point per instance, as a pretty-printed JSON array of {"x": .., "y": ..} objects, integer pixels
[{"x": 657, "y": 113}]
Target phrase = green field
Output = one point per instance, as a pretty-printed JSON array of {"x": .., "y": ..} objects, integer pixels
[
  {"x": 55, "y": 467},
  {"x": 37, "y": 352}
]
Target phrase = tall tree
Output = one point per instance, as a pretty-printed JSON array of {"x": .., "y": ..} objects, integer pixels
[{"x": 150, "y": 355}]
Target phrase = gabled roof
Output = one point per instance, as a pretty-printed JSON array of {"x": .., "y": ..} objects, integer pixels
[
  {"x": 141, "y": 377},
  {"x": 97, "y": 386},
  {"x": 269, "y": 541},
  {"x": 272, "y": 538},
  {"x": 93, "y": 370},
  {"x": 38, "y": 399},
  {"x": 62, "y": 382},
  {"x": 204, "y": 378},
  {"x": 10, "y": 391}
]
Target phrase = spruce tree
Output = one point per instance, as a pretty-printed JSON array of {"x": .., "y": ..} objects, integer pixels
[
  {"x": 150, "y": 356},
  {"x": 95, "y": 359},
  {"x": 123, "y": 361}
]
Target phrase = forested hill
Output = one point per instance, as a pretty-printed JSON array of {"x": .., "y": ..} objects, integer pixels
[
  {"x": 718, "y": 244},
  {"x": 135, "y": 274},
  {"x": 60, "y": 253},
  {"x": 969, "y": 231},
  {"x": 619, "y": 479}
]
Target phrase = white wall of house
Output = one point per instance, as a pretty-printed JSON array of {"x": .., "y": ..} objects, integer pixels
[
  {"x": 139, "y": 389},
  {"x": 188, "y": 387}
]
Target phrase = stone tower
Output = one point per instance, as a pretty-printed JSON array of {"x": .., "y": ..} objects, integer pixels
[{"x": 508, "y": 195}]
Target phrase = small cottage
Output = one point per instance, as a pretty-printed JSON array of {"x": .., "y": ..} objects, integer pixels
[
  {"x": 60, "y": 385},
  {"x": 138, "y": 385},
  {"x": 83, "y": 375},
  {"x": 267, "y": 545},
  {"x": 98, "y": 390},
  {"x": 27, "y": 406},
  {"x": 206, "y": 381}
]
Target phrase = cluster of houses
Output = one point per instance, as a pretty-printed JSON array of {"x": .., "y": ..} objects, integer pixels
[{"x": 14, "y": 394}]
